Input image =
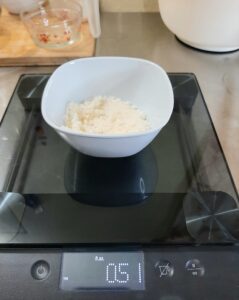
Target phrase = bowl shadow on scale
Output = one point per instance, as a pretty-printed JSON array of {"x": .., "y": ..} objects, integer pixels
[
  {"x": 111, "y": 181},
  {"x": 114, "y": 192}
]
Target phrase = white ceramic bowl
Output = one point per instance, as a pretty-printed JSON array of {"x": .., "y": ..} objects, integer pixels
[{"x": 139, "y": 81}]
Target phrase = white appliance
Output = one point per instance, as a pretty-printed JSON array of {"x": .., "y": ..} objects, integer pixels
[{"x": 207, "y": 25}]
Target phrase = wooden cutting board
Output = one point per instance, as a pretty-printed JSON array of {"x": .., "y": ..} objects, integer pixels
[{"x": 18, "y": 49}]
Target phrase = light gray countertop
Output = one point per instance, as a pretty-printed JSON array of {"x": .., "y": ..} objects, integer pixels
[{"x": 144, "y": 35}]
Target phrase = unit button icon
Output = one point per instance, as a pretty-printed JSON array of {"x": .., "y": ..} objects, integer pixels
[
  {"x": 40, "y": 270},
  {"x": 164, "y": 268},
  {"x": 195, "y": 268}
]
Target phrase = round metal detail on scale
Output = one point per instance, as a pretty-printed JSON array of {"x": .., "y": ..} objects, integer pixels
[{"x": 211, "y": 217}]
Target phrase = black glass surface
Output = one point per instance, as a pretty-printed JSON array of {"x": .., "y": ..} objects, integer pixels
[{"x": 177, "y": 190}]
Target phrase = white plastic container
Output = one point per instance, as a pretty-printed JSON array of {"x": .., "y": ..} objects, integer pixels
[
  {"x": 208, "y": 25},
  {"x": 141, "y": 82}
]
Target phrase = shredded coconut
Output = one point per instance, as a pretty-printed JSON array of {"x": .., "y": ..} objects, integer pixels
[{"x": 105, "y": 115}]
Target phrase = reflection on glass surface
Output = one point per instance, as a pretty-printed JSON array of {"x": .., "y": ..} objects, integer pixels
[
  {"x": 211, "y": 216},
  {"x": 12, "y": 207},
  {"x": 115, "y": 181}
]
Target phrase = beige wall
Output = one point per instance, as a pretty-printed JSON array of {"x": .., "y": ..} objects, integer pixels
[{"x": 129, "y": 5}]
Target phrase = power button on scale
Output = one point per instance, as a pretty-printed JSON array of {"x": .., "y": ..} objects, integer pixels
[
  {"x": 195, "y": 268},
  {"x": 40, "y": 270}
]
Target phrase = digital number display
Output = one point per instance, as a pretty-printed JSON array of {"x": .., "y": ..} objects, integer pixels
[{"x": 109, "y": 270}]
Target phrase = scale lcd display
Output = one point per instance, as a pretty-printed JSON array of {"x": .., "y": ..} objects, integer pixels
[{"x": 99, "y": 270}]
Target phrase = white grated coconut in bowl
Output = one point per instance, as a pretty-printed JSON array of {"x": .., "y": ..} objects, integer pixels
[{"x": 105, "y": 115}]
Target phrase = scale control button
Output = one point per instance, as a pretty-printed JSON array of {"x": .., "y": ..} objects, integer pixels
[
  {"x": 164, "y": 268},
  {"x": 195, "y": 268},
  {"x": 40, "y": 270}
]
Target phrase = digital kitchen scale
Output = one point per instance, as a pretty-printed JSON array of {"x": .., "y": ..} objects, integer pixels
[{"x": 160, "y": 225}]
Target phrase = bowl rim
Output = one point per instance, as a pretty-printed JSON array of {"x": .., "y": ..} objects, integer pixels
[{"x": 68, "y": 131}]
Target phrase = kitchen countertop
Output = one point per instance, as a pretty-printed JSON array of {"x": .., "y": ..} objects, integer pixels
[{"x": 144, "y": 35}]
